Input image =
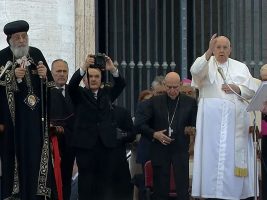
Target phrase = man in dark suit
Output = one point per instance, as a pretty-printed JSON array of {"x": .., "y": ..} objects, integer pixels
[
  {"x": 95, "y": 128},
  {"x": 164, "y": 121},
  {"x": 61, "y": 112},
  {"x": 122, "y": 187},
  {"x": 143, "y": 148}
]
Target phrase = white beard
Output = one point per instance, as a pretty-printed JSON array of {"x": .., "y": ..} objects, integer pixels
[{"x": 19, "y": 52}]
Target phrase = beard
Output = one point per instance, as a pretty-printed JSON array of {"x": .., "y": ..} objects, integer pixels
[{"x": 19, "y": 52}]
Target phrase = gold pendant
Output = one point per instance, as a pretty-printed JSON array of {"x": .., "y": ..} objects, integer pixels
[{"x": 31, "y": 100}]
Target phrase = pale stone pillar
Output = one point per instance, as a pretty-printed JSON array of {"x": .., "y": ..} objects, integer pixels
[{"x": 84, "y": 29}]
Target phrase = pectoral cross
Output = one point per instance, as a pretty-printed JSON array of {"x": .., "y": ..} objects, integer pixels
[{"x": 170, "y": 131}]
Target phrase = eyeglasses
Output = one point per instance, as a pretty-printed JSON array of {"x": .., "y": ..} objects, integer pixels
[{"x": 172, "y": 87}]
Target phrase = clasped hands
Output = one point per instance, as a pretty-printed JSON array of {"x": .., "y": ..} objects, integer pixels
[
  {"x": 41, "y": 71},
  {"x": 162, "y": 137},
  {"x": 228, "y": 90}
]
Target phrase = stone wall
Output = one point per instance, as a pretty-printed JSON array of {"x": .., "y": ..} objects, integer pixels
[{"x": 59, "y": 28}]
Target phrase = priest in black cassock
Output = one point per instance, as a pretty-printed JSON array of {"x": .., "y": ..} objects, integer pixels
[
  {"x": 24, "y": 144},
  {"x": 164, "y": 121}
]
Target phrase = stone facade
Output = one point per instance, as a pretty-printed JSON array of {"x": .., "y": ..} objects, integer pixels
[{"x": 59, "y": 28}]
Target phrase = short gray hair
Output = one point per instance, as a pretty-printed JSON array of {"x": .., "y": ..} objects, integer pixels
[
  {"x": 158, "y": 80},
  {"x": 60, "y": 60}
]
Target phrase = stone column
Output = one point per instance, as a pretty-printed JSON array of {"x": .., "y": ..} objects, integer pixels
[{"x": 84, "y": 29}]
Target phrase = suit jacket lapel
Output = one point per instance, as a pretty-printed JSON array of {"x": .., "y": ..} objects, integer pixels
[
  {"x": 102, "y": 99},
  {"x": 67, "y": 98},
  {"x": 89, "y": 95},
  {"x": 164, "y": 108},
  {"x": 99, "y": 93},
  {"x": 180, "y": 110}
]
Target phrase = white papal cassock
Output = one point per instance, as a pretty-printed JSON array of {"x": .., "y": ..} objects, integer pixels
[{"x": 222, "y": 131}]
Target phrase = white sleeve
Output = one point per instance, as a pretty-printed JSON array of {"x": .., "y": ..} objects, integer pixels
[
  {"x": 199, "y": 70},
  {"x": 246, "y": 92},
  {"x": 115, "y": 73},
  {"x": 82, "y": 72}
]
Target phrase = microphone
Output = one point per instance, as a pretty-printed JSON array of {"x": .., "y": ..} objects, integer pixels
[
  {"x": 220, "y": 70},
  {"x": 8, "y": 64},
  {"x": 40, "y": 63},
  {"x": 23, "y": 62}
]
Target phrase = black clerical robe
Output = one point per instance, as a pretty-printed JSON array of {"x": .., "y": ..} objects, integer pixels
[
  {"x": 162, "y": 113},
  {"x": 24, "y": 145}
]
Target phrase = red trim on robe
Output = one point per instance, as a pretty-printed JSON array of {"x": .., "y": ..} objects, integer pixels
[{"x": 57, "y": 168}]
